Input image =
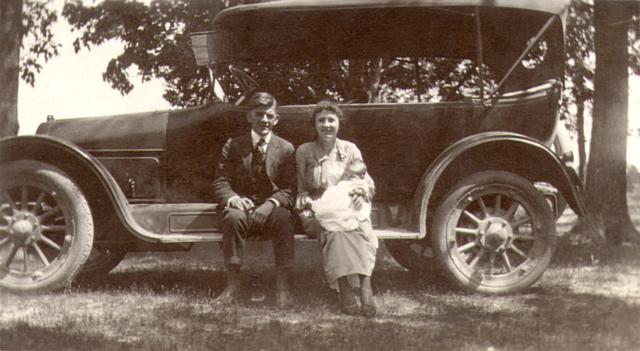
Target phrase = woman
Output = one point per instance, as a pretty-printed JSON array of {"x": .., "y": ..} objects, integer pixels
[{"x": 348, "y": 256}]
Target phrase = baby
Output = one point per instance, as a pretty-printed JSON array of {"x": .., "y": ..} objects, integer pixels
[{"x": 334, "y": 210}]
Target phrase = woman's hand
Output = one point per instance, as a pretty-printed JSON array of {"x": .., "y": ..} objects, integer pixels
[
  {"x": 358, "y": 200},
  {"x": 303, "y": 201},
  {"x": 358, "y": 197}
]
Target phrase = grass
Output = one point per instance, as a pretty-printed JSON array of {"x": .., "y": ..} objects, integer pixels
[{"x": 163, "y": 301}]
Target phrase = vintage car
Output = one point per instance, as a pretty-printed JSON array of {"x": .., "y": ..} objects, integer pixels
[{"x": 467, "y": 183}]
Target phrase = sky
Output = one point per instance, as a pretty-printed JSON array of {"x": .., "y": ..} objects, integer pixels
[{"x": 71, "y": 85}]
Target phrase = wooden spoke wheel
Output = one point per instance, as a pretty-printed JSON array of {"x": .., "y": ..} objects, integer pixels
[
  {"x": 494, "y": 233},
  {"x": 46, "y": 229}
]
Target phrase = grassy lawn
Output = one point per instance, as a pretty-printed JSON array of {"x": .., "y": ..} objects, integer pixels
[{"x": 585, "y": 301}]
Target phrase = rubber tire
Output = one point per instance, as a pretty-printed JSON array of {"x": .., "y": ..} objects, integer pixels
[
  {"x": 75, "y": 208},
  {"x": 101, "y": 261},
  {"x": 540, "y": 211}
]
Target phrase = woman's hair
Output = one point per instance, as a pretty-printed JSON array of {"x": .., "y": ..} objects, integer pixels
[{"x": 327, "y": 105}]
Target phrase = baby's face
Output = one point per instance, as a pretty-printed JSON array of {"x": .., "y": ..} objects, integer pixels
[
  {"x": 355, "y": 170},
  {"x": 350, "y": 175}
]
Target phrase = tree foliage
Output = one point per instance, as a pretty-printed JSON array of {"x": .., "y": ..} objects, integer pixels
[
  {"x": 38, "y": 43},
  {"x": 401, "y": 79}
]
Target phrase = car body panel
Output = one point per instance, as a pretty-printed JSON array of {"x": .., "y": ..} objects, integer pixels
[
  {"x": 182, "y": 167},
  {"x": 537, "y": 155}
]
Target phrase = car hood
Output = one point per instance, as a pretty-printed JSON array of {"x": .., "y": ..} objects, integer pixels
[
  {"x": 127, "y": 131},
  {"x": 140, "y": 131}
]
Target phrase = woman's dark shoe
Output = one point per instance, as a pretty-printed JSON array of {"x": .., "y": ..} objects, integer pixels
[
  {"x": 348, "y": 302},
  {"x": 351, "y": 309},
  {"x": 369, "y": 310}
]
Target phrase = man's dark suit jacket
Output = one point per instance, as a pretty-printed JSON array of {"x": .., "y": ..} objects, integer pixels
[{"x": 234, "y": 170}]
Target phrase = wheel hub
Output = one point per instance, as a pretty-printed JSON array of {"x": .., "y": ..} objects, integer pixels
[
  {"x": 24, "y": 229},
  {"x": 496, "y": 234}
]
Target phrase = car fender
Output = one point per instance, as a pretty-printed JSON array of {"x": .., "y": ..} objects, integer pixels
[
  {"x": 548, "y": 167},
  {"x": 84, "y": 169}
]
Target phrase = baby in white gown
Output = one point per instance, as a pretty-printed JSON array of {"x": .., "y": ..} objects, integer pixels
[{"x": 334, "y": 210}]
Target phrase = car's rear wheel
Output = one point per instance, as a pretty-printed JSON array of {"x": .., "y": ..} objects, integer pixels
[
  {"x": 494, "y": 233},
  {"x": 46, "y": 228}
]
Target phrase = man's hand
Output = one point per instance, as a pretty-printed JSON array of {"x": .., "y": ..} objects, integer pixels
[
  {"x": 241, "y": 203},
  {"x": 260, "y": 215}
]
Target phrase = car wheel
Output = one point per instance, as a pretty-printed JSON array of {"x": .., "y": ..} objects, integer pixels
[
  {"x": 494, "y": 233},
  {"x": 414, "y": 255},
  {"x": 46, "y": 228},
  {"x": 101, "y": 261}
]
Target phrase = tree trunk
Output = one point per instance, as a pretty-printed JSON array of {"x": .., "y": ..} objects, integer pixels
[
  {"x": 582, "y": 143},
  {"x": 11, "y": 34},
  {"x": 606, "y": 171}
]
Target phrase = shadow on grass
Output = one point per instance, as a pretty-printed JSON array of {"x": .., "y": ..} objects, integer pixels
[
  {"x": 308, "y": 285},
  {"x": 570, "y": 254},
  {"x": 23, "y": 336},
  {"x": 544, "y": 318},
  {"x": 197, "y": 281}
]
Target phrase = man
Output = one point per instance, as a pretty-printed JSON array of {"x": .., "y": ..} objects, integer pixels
[{"x": 254, "y": 185}]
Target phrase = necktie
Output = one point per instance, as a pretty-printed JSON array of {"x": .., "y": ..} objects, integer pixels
[
  {"x": 261, "y": 183},
  {"x": 261, "y": 150}
]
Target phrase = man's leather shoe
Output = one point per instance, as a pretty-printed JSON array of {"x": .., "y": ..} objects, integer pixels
[
  {"x": 284, "y": 299},
  {"x": 283, "y": 294},
  {"x": 228, "y": 296},
  {"x": 230, "y": 293}
]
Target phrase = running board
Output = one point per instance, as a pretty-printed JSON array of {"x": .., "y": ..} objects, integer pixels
[
  {"x": 200, "y": 222},
  {"x": 383, "y": 234}
]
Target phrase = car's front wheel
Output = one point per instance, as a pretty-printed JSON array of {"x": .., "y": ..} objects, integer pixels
[
  {"x": 46, "y": 228},
  {"x": 494, "y": 233}
]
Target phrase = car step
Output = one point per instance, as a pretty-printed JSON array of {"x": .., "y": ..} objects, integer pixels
[{"x": 383, "y": 234}]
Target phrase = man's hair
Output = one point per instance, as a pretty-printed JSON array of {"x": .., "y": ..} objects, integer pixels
[{"x": 261, "y": 99}]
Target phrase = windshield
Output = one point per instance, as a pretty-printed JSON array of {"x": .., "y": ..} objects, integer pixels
[{"x": 374, "y": 80}]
